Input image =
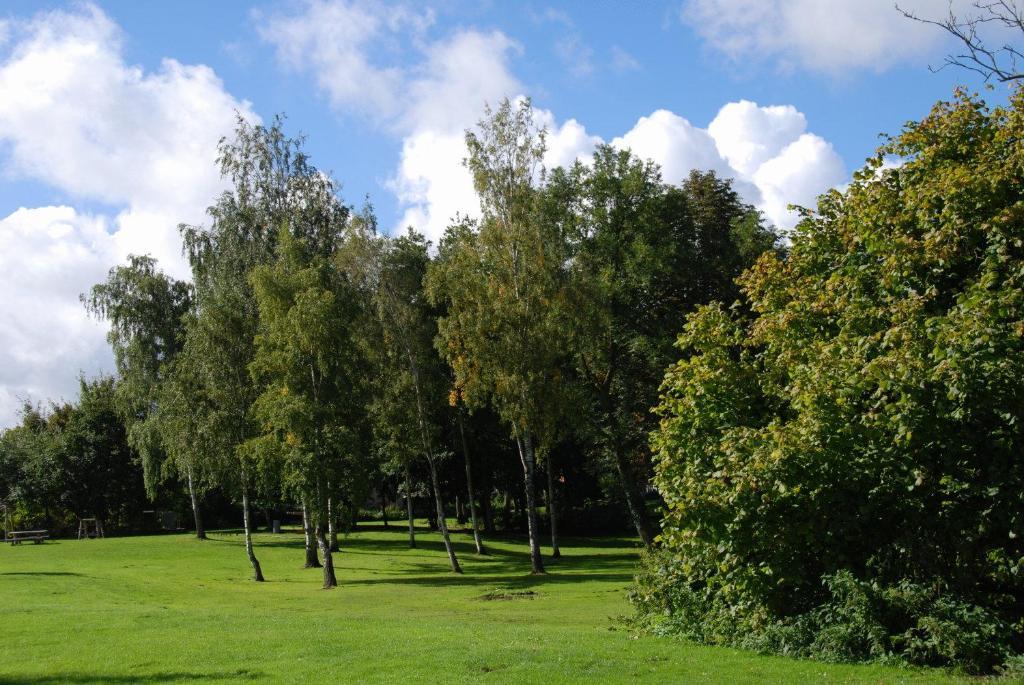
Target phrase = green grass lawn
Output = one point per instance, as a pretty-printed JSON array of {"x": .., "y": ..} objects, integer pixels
[{"x": 170, "y": 609}]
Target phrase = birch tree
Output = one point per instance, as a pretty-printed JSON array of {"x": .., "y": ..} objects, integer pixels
[
  {"x": 271, "y": 183},
  {"x": 145, "y": 309},
  {"x": 408, "y": 328},
  {"x": 307, "y": 364},
  {"x": 504, "y": 283}
]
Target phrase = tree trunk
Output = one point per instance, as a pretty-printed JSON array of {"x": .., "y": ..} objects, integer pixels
[
  {"x": 460, "y": 510},
  {"x": 529, "y": 467},
  {"x": 507, "y": 514},
  {"x": 469, "y": 486},
  {"x": 635, "y": 501},
  {"x": 552, "y": 509},
  {"x": 257, "y": 572},
  {"x": 408, "y": 508},
  {"x": 312, "y": 560},
  {"x": 330, "y": 580},
  {"x": 487, "y": 502},
  {"x": 432, "y": 511},
  {"x": 488, "y": 507},
  {"x": 384, "y": 503},
  {"x": 420, "y": 414},
  {"x": 441, "y": 523},
  {"x": 331, "y": 528},
  {"x": 196, "y": 513}
]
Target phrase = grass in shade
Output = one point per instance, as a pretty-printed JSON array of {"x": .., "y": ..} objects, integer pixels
[{"x": 172, "y": 609}]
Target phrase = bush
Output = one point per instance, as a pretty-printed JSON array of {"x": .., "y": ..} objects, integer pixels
[
  {"x": 859, "y": 621},
  {"x": 839, "y": 452}
]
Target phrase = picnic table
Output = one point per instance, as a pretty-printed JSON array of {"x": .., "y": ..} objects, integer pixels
[{"x": 16, "y": 537}]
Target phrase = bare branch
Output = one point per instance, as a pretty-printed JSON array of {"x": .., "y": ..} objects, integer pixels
[{"x": 992, "y": 63}]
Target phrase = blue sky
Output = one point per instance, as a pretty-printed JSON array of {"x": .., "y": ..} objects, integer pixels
[{"x": 110, "y": 113}]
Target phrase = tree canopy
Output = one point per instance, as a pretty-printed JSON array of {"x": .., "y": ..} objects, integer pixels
[{"x": 848, "y": 437}]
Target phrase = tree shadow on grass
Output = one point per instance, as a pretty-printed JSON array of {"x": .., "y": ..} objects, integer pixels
[
  {"x": 43, "y": 573},
  {"x": 501, "y": 564},
  {"x": 98, "y": 678},
  {"x": 429, "y": 577}
]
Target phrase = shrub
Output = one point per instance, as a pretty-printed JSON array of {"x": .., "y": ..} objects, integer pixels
[{"x": 839, "y": 452}]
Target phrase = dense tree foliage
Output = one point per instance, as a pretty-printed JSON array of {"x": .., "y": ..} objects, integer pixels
[
  {"x": 146, "y": 310},
  {"x": 504, "y": 283},
  {"x": 308, "y": 367},
  {"x": 415, "y": 372},
  {"x": 300, "y": 368},
  {"x": 840, "y": 452},
  {"x": 643, "y": 253},
  {"x": 72, "y": 462},
  {"x": 272, "y": 185}
]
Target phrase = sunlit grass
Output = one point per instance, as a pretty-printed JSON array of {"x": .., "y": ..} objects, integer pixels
[{"x": 170, "y": 609}]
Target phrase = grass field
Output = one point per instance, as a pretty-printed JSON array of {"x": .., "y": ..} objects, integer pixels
[{"x": 172, "y": 609}]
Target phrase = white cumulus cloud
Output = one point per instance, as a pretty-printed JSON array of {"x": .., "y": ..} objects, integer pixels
[
  {"x": 800, "y": 172},
  {"x": 460, "y": 73},
  {"x": 76, "y": 117},
  {"x": 332, "y": 40},
  {"x": 766, "y": 151},
  {"x": 674, "y": 143},
  {"x": 48, "y": 256},
  {"x": 430, "y": 94}
]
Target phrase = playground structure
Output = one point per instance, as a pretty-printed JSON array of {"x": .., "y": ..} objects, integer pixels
[{"x": 90, "y": 528}]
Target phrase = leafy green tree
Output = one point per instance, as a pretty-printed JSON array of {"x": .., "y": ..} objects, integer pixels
[
  {"x": 96, "y": 468},
  {"x": 309, "y": 367},
  {"x": 182, "y": 410},
  {"x": 840, "y": 454},
  {"x": 29, "y": 456},
  {"x": 416, "y": 377},
  {"x": 70, "y": 462},
  {"x": 504, "y": 284},
  {"x": 272, "y": 184},
  {"x": 644, "y": 253},
  {"x": 146, "y": 311}
]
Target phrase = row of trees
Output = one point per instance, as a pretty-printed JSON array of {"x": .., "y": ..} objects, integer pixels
[{"x": 311, "y": 354}]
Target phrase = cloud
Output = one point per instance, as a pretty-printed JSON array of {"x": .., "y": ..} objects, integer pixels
[
  {"x": 765, "y": 150},
  {"x": 76, "y": 117},
  {"x": 747, "y": 136},
  {"x": 48, "y": 255},
  {"x": 432, "y": 184},
  {"x": 440, "y": 87},
  {"x": 428, "y": 94},
  {"x": 571, "y": 50},
  {"x": 332, "y": 40},
  {"x": 674, "y": 143},
  {"x": 567, "y": 142},
  {"x": 577, "y": 56},
  {"x": 800, "y": 172},
  {"x": 622, "y": 61},
  {"x": 377, "y": 60},
  {"x": 448, "y": 90},
  {"x": 827, "y": 36}
]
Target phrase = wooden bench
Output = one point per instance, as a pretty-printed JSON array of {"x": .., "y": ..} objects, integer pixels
[{"x": 16, "y": 537}]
